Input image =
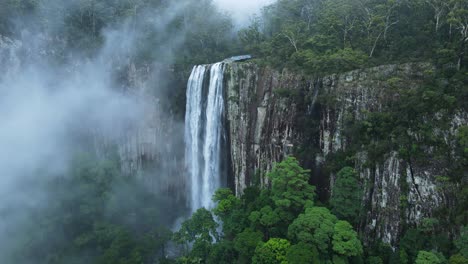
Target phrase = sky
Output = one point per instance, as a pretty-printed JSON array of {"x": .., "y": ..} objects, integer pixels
[{"x": 242, "y": 10}]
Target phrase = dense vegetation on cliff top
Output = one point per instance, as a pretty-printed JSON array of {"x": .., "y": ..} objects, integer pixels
[
  {"x": 283, "y": 223},
  {"x": 314, "y": 36},
  {"x": 319, "y": 36}
]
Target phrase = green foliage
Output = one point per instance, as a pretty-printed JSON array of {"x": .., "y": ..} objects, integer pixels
[
  {"x": 201, "y": 231},
  {"x": 200, "y": 227},
  {"x": 462, "y": 137},
  {"x": 329, "y": 36},
  {"x": 245, "y": 244},
  {"x": 462, "y": 242},
  {"x": 337, "y": 61},
  {"x": 345, "y": 240},
  {"x": 272, "y": 252},
  {"x": 458, "y": 259},
  {"x": 267, "y": 218},
  {"x": 290, "y": 189},
  {"x": 315, "y": 227},
  {"x": 316, "y": 234},
  {"x": 425, "y": 257},
  {"x": 302, "y": 253},
  {"x": 411, "y": 242},
  {"x": 222, "y": 253},
  {"x": 228, "y": 209},
  {"x": 346, "y": 196},
  {"x": 403, "y": 258},
  {"x": 375, "y": 260},
  {"x": 96, "y": 215}
]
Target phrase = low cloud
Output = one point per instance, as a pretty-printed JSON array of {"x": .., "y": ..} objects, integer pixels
[{"x": 242, "y": 10}]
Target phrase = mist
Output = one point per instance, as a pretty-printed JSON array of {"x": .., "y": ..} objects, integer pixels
[
  {"x": 242, "y": 11},
  {"x": 58, "y": 99},
  {"x": 44, "y": 109}
]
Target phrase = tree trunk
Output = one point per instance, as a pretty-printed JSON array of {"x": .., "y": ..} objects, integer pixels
[
  {"x": 375, "y": 45},
  {"x": 292, "y": 41},
  {"x": 461, "y": 55}
]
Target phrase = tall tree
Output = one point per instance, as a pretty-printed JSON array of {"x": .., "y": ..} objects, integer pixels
[
  {"x": 290, "y": 189},
  {"x": 314, "y": 227},
  {"x": 346, "y": 195},
  {"x": 458, "y": 17},
  {"x": 272, "y": 252}
]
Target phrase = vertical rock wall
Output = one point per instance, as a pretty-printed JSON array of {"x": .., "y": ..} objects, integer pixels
[
  {"x": 266, "y": 112},
  {"x": 261, "y": 122}
]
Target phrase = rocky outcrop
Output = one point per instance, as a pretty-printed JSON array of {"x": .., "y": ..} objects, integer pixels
[
  {"x": 261, "y": 121},
  {"x": 272, "y": 114}
]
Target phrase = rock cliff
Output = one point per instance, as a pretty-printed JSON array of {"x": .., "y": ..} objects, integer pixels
[{"x": 273, "y": 114}]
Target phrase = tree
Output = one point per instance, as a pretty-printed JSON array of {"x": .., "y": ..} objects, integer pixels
[
  {"x": 200, "y": 229},
  {"x": 425, "y": 257},
  {"x": 222, "y": 253},
  {"x": 245, "y": 244},
  {"x": 266, "y": 218},
  {"x": 462, "y": 242},
  {"x": 375, "y": 260},
  {"x": 340, "y": 17},
  {"x": 458, "y": 259},
  {"x": 290, "y": 188},
  {"x": 272, "y": 252},
  {"x": 440, "y": 8},
  {"x": 458, "y": 16},
  {"x": 302, "y": 253},
  {"x": 228, "y": 209},
  {"x": 103, "y": 223},
  {"x": 378, "y": 18},
  {"x": 462, "y": 140},
  {"x": 345, "y": 240},
  {"x": 346, "y": 196},
  {"x": 293, "y": 32},
  {"x": 314, "y": 227},
  {"x": 252, "y": 37}
]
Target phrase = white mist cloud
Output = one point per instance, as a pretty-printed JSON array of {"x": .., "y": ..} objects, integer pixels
[
  {"x": 242, "y": 10},
  {"x": 45, "y": 106}
]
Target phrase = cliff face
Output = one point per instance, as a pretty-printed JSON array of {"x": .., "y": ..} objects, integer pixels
[
  {"x": 272, "y": 115},
  {"x": 261, "y": 126}
]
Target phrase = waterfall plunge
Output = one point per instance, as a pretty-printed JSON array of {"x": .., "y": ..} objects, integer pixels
[{"x": 204, "y": 133}]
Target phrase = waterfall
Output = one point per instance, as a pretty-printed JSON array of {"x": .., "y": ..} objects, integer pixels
[{"x": 204, "y": 133}]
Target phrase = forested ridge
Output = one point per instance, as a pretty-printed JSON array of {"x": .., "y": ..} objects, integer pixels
[
  {"x": 331, "y": 36},
  {"x": 315, "y": 36},
  {"x": 283, "y": 221}
]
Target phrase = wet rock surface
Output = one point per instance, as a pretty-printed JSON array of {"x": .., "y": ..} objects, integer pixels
[{"x": 268, "y": 113}]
